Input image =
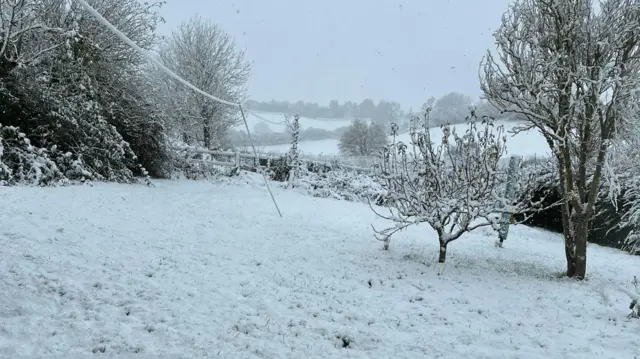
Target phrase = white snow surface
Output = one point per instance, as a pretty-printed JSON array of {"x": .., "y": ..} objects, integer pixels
[
  {"x": 530, "y": 143},
  {"x": 206, "y": 269}
]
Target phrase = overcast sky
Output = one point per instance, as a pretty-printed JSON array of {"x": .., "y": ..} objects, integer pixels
[{"x": 318, "y": 50}]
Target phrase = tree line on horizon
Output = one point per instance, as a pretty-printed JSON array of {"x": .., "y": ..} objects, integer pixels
[{"x": 452, "y": 107}]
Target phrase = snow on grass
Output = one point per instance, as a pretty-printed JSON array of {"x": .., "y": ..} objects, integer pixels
[
  {"x": 276, "y": 122},
  {"x": 528, "y": 143},
  {"x": 207, "y": 269}
]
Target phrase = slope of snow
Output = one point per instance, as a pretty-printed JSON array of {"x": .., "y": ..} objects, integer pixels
[
  {"x": 276, "y": 122},
  {"x": 523, "y": 144},
  {"x": 326, "y": 147},
  {"x": 202, "y": 269}
]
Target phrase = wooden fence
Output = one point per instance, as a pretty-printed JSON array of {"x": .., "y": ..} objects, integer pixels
[{"x": 242, "y": 159}]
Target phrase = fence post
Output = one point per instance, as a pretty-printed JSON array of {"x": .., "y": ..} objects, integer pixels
[
  {"x": 237, "y": 159},
  {"x": 505, "y": 220}
]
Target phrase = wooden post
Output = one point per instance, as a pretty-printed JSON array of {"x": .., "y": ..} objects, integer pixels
[{"x": 238, "y": 159}]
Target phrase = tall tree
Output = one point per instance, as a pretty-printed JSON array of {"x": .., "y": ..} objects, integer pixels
[
  {"x": 200, "y": 52},
  {"x": 571, "y": 72}
]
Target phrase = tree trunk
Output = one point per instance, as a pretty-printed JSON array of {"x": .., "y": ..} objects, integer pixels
[
  {"x": 569, "y": 250},
  {"x": 443, "y": 253},
  {"x": 206, "y": 134},
  {"x": 581, "y": 231},
  {"x": 569, "y": 239}
]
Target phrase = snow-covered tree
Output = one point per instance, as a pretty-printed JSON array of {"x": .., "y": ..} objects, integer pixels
[
  {"x": 450, "y": 183},
  {"x": 293, "y": 155},
  {"x": 82, "y": 100},
  {"x": 572, "y": 72},
  {"x": 363, "y": 139},
  {"x": 201, "y": 52},
  {"x": 450, "y": 108},
  {"x": 28, "y": 31}
]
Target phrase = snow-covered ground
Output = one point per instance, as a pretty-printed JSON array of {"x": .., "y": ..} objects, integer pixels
[
  {"x": 276, "y": 122},
  {"x": 207, "y": 269},
  {"x": 523, "y": 144}
]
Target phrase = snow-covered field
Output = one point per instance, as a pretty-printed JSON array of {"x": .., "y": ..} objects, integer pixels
[
  {"x": 523, "y": 144},
  {"x": 326, "y": 147},
  {"x": 276, "y": 122},
  {"x": 207, "y": 269}
]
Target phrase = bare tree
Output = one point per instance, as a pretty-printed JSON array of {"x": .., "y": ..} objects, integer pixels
[
  {"x": 202, "y": 53},
  {"x": 571, "y": 72},
  {"x": 451, "y": 184},
  {"x": 363, "y": 139}
]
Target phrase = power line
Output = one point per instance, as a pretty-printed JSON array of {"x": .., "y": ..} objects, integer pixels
[
  {"x": 265, "y": 120},
  {"x": 134, "y": 46}
]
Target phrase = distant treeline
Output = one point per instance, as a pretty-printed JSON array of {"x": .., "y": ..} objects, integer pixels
[
  {"x": 384, "y": 111},
  {"x": 451, "y": 108}
]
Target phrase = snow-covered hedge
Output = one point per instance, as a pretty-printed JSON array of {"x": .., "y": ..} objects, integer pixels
[
  {"x": 538, "y": 184},
  {"x": 21, "y": 162},
  {"x": 187, "y": 162},
  {"x": 341, "y": 184}
]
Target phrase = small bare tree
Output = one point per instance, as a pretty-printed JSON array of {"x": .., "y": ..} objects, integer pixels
[
  {"x": 363, "y": 139},
  {"x": 451, "y": 184},
  {"x": 571, "y": 72},
  {"x": 202, "y": 53}
]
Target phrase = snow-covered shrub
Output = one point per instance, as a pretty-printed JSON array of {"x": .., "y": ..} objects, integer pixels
[
  {"x": 77, "y": 93},
  {"x": 342, "y": 184},
  {"x": 192, "y": 163},
  {"x": 452, "y": 184},
  {"x": 21, "y": 162},
  {"x": 75, "y": 124},
  {"x": 321, "y": 180},
  {"x": 58, "y": 108},
  {"x": 141, "y": 126},
  {"x": 278, "y": 168}
]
